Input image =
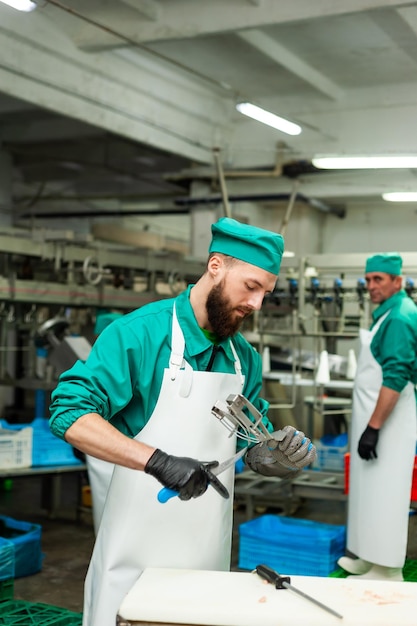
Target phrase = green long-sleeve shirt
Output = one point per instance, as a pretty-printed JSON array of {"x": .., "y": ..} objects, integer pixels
[
  {"x": 122, "y": 376},
  {"x": 394, "y": 345}
]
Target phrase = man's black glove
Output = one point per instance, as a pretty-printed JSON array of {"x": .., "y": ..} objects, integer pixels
[
  {"x": 187, "y": 476},
  {"x": 367, "y": 443}
]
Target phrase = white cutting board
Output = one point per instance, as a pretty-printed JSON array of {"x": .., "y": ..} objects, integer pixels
[{"x": 172, "y": 596}]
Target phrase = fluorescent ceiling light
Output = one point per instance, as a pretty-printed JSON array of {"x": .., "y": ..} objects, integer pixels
[
  {"x": 400, "y": 196},
  {"x": 270, "y": 119},
  {"x": 20, "y": 5},
  {"x": 365, "y": 162}
]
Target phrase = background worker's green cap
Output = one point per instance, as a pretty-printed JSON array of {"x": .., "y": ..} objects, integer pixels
[
  {"x": 253, "y": 245},
  {"x": 389, "y": 263}
]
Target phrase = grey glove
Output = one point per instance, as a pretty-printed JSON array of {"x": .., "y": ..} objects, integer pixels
[{"x": 283, "y": 458}]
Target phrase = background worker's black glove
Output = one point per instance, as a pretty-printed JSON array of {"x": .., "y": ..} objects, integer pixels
[
  {"x": 187, "y": 476},
  {"x": 367, "y": 443},
  {"x": 284, "y": 457}
]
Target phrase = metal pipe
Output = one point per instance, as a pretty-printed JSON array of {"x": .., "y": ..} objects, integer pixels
[
  {"x": 290, "y": 206},
  {"x": 186, "y": 203},
  {"x": 220, "y": 174},
  {"x": 261, "y": 197}
]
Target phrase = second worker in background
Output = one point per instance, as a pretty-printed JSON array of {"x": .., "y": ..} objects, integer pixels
[{"x": 384, "y": 428}]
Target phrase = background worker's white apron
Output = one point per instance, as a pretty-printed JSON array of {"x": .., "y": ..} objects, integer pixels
[
  {"x": 137, "y": 531},
  {"x": 379, "y": 489}
]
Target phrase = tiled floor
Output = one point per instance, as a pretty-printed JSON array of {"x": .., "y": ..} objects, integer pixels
[{"x": 67, "y": 542}]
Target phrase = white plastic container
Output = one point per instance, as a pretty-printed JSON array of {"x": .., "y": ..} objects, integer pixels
[{"x": 15, "y": 448}]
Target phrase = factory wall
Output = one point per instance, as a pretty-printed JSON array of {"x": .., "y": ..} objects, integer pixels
[{"x": 372, "y": 228}]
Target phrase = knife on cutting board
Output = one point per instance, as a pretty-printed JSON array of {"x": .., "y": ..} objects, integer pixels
[{"x": 283, "y": 582}]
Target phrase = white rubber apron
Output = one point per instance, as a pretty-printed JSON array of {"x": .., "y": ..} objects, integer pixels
[
  {"x": 379, "y": 489},
  {"x": 99, "y": 478},
  {"x": 137, "y": 531}
]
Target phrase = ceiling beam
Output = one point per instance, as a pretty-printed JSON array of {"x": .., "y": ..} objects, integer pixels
[
  {"x": 183, "y": 19},
  {"x": 126, "y": 94},
  {"x": 409, "y": 15},
  {"x": 293, "y": 63},
  {"x": 148, "y": 9}
]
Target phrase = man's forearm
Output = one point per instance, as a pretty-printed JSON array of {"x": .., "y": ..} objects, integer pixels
[
  {"x": 95, "y": 436},
  {"x": 386, "y": 402},
  {"x": 189, "y": 477}
]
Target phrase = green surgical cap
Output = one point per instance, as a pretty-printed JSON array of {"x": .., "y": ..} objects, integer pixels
[
  {"x": 253, "y": 245},
  {"x": 389, "y": 263}
]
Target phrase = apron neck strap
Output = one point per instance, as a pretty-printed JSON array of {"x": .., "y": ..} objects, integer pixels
[
  {"x": 238, "y": 366},
  {"x": 176, "y": 360}
]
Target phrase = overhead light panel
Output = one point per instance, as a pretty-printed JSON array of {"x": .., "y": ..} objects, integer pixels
[
  {"x": 365, "y": 162},
  {"x": 20, "y": 5},
  {"x": 400, "y": 196},
  {"x": 268, "y": 118}
]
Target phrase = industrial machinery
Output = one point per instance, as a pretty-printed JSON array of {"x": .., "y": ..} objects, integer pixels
[{"x": 53, "y": 285}]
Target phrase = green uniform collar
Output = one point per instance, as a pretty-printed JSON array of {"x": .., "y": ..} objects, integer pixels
[{"x": 388, "y": 304}]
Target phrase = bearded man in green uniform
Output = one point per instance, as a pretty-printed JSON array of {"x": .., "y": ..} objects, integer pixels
[
  {"x": 383, "y": 430},
  {"x": 143, "y": 401}
]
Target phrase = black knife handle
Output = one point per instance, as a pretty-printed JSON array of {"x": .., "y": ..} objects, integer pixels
[{"x": 272, "y": 576}]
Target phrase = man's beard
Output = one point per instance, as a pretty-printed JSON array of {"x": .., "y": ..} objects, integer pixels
[{"x": 221, "y": 315}]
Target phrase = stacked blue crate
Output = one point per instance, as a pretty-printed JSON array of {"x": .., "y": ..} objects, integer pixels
[
  {"x": 25, "y": 539},
  {"x": 291, "y": 546},
  {"x": 7, "y": 559}
]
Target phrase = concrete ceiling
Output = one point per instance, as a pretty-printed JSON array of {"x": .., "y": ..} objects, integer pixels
[{"x": 115, "y": 106}]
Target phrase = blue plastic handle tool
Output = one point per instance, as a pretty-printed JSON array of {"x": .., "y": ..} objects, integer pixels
[{"x": 166, "y": 494}]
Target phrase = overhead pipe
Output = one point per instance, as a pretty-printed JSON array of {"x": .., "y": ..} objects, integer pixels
[
  {"x": 113, "y": 213},
  {"x": 187, "y": 202},
  {"x": 263, "y": 197},
  {"x": 275, "y": 172}
]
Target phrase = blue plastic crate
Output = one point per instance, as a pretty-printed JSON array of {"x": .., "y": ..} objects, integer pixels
[
  {"x": 331, "y": 452},
  {"x": 47, "y": 449},
  {"x": 291, "y": 546},
  {"x": 7, "y": 559},
  {"x": 26, "y": 539}
]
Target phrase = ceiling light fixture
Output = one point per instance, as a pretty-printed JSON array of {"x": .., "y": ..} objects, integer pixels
[
  {"x": 400, "y": 196},
  {"x": 270, "y": 119},
  {"x": 365, "y": 162},
  {"x": 20, "y": 5}
]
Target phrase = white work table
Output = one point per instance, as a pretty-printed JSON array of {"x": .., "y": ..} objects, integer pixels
[{"x": 208, "y": 598}]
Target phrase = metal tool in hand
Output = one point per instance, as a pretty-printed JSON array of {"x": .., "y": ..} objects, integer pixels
[
  {"x": 283, "y": 582},
  {"x": 232, "y": 416},
  {"x": 166, "y": 493}
]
